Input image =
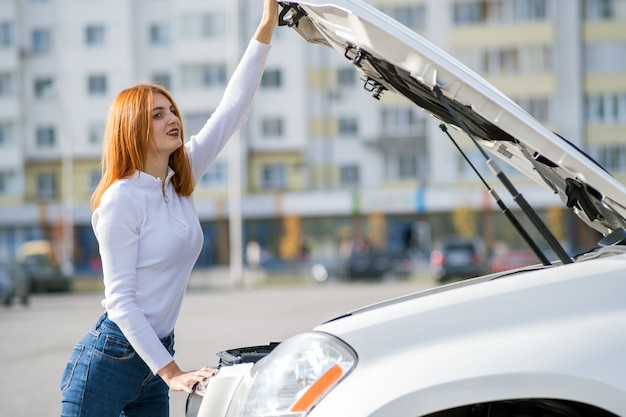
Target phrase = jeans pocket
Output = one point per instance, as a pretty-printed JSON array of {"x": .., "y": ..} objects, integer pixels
[
  {"x": 70, "y": 367},
  {"x": 113, "y": 347}
]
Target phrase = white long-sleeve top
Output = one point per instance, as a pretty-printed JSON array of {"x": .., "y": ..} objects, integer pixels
[{"x": 150, "y": 237}]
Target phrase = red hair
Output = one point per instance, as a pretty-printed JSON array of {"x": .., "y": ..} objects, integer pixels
[{"x": 127, "y": 139}]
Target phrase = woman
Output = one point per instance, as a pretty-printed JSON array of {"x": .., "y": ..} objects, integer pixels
[{"x": 150, "y": 237}]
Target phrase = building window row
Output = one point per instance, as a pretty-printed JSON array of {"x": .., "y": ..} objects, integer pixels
[
  {"x": 476, "y": 12},
  {"x": 403, "y": 121},
  {"x": 605, "y": 57},
  {"x": 611, "y": 157},
  {"x": 538, "y": 107},
  {"x": 203, "y": 76},
  {"x": 604, "y": 9},
  {"x": 207, "y": 26},
  {"x": 413, "y": 17},
  {"x": 203, "y": 26},
  {"x": 513, "y": 60},
  {"x": 607, "y": 108}
]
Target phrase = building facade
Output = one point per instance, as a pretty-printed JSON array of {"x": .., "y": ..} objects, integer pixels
[{"x": 320, "y": 159}]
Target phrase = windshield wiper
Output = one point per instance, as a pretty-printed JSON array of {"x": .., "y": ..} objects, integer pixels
[{"x": 517, "y": 197}]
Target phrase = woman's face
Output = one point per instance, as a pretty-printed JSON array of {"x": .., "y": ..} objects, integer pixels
[{"x": 165, "y": 126}]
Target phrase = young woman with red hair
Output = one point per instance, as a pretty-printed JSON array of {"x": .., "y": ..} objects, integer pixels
[{"x": 150, "y": 237}]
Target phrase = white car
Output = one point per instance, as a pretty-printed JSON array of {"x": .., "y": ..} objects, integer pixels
[{"x": 549, "y": 340}]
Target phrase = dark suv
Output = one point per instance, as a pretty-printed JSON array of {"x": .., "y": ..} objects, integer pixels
[{"x": 460, "y": 258}]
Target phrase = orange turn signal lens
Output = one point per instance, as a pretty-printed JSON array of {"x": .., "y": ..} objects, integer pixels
[{"x": 314, "y": 393}]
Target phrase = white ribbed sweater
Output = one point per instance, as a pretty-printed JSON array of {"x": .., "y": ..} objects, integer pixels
[{"x": 150, "y": 237}]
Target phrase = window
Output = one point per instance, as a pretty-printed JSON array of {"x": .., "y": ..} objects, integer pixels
[
  {"x": 348, "y": 126},
  {"x": 94, "y": 35},
  {"x": 349, "y": 175},
  {"x": 6, "y": 179},
  {"x": 605, "y": 57},
  {"x": 203, "y": 76},
  {"x": 159, "y": 34},
  {"x": 540, "y": 59},
  {"x": 95, "y": 134},
  {"x": 273, "y": 176},
  {"x": 194, "y": 122},
  {"x": 97, "y": 84},
  {"x": 44, "y": 87},
  {"x": 469, "y": 13},
  {"x": 499, "y": 11},
  {"x": 604, "y": 9},
  {"x": 203, "y": 26},
  {"x": 403, "y": 122},
  {"x": 503, "y": 61},
  {"x": 611, "y": 157},
  {"x": 407, "y": 165},
  {"x": 6, "y": 133},
  {"x": 529, "y": 59},
  {"x": 46, "y": 186},
  {"x": 272, "y": 127},
  {"x": 271, "y": 78},
  {"x": 346, "y": 77},
  {"x": 413, "y": 17},
  {"x": 41, "y": 40},
  {"x": 538, "y": 107},
  {"x": 94, "y": 178},
  {"x": 7, "y": 84},
  {"x": 163, "y": 79},
  {"x": 6, "y": 34},
  {"x": 46, "y": 137},
  {"x": 606, "y": 108},
  {"x": 509, "y": 62},
  {"x": 216, "y": 175}
]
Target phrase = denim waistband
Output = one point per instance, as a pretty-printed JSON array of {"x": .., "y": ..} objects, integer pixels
[{"x": 104, "y": 322}]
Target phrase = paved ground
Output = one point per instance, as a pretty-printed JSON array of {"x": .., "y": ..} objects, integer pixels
[{"x": 37, "y": 340}]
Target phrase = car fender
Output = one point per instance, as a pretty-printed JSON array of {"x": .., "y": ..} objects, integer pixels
[{"x": 541, "y": 334}]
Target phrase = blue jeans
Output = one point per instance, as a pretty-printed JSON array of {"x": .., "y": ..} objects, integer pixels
[{"x": 105, "y": 377}]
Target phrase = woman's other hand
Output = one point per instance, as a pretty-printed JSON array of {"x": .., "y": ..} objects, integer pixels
[{"x": 179, "y": 380}]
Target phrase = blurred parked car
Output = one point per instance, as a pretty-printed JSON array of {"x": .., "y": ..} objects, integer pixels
[
  {"x": 457, "y": 257},
  {"x": 44, "y": 274},
  {"x": 376, "y": 264},
  {"x": 545, "y": 341},
  {"x": 14, "y": 284},
  {"x": 512, "y": 259}
]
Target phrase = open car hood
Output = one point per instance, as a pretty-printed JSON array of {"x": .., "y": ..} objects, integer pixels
[{"x": 394, "y": 58}]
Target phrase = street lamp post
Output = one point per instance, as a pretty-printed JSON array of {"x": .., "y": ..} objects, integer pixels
[{"x": 234, "y": 160}]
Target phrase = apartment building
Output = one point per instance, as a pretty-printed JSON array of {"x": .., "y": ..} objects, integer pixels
[{"x": 319, "y": 158}]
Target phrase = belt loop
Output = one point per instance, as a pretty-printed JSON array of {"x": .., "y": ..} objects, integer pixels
[{"x": 101, "y": 319}]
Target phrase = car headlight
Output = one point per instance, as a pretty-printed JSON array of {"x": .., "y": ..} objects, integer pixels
[{"x": 293, "y": 378}]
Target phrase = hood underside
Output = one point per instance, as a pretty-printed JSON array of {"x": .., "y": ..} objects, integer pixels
[{"x": 393, "y": 58}]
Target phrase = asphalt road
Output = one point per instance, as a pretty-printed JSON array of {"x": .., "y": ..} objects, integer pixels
[{"x": 37, "y": 340}]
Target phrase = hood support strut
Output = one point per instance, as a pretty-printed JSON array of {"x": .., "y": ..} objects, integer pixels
[
  {"x": 517, "y": 197},
  {"x": 508, "y": 213}
]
